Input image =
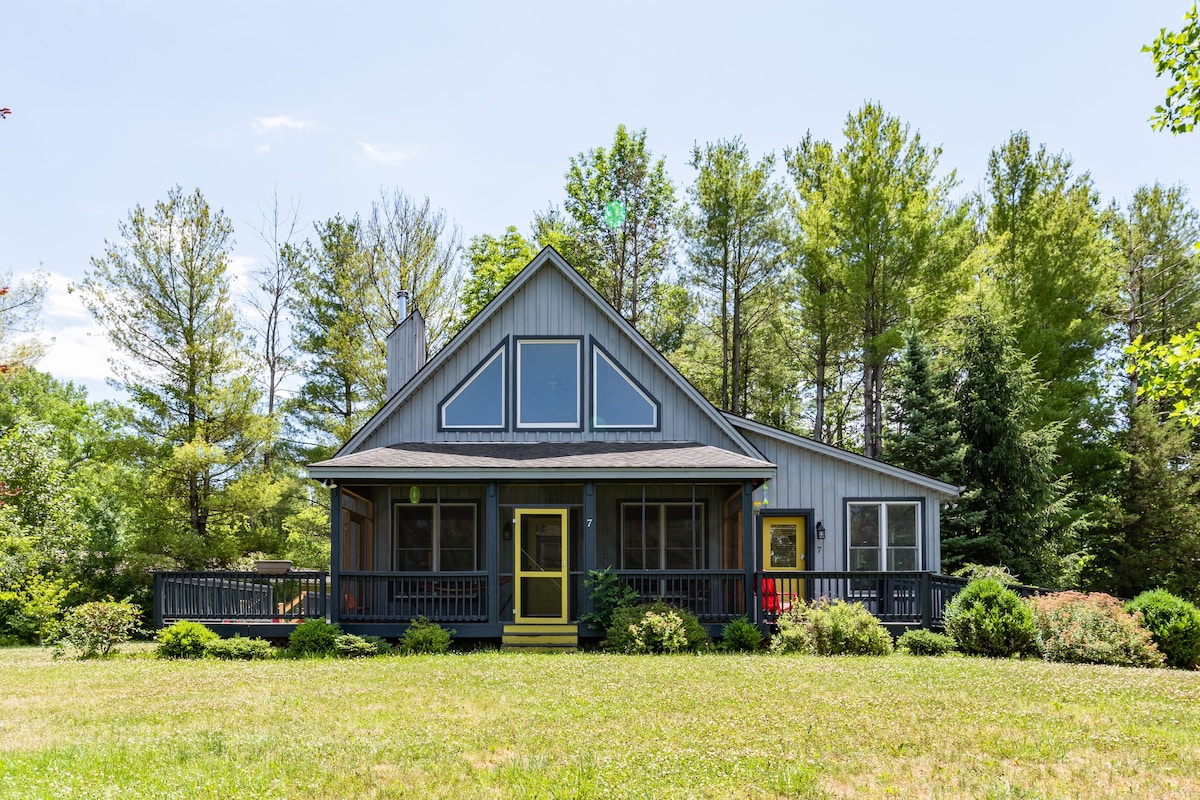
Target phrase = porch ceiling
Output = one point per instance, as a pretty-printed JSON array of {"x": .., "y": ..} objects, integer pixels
[{"x": 545, "y": 460}]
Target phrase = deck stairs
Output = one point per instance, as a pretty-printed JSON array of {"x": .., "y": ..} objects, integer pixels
[{"x": 541, "y": 637}]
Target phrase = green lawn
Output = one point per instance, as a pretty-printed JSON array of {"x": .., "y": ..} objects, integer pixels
[{"x": 590, "y": 725}]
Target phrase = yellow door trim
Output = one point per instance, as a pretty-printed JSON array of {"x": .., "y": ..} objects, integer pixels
[{"x": 560, "y": 575}]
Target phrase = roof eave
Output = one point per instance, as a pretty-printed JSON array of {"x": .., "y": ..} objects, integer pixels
[{"x": 557, "y": 474}]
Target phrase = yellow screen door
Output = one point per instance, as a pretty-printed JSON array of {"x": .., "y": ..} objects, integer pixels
[
  {"x": 541, "y": 565},
  {"x": 784, "y": 542}
]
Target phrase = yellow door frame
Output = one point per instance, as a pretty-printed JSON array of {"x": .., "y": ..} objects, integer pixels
[
  {"x": 540, "y": 574},
  {"x": 787, "y": 591}
]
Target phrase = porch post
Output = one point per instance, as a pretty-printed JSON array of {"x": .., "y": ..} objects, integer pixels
[
  {"x": 926, "y": 600},
  {"x": 335, "y": 553},
  {"x": 752, "y": 612},
  {"x": 589, "y": 540},
  {"x": 491, "y": 532}
]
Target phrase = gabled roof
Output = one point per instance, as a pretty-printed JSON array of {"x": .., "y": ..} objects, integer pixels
[
  {"x": 861, "y": 461},
  {"x": 548, "y": 258},
  {"x": 545, "y": 460}
]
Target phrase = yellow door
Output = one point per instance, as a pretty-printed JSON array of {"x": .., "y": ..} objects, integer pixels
[
  {"x": 784, "y": 543},
  {"x": 541, "y": 565}
]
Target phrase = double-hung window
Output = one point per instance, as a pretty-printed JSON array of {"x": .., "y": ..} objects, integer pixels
[
  {"x": 437, "y": 537},
  {"x": 884, "y": 535}
]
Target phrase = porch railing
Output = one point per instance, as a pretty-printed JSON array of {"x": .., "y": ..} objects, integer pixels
[
  {"x": 403, "y": 596},
  {"x": 239, "y": 596},
  {"x": 712, "y": 595}
]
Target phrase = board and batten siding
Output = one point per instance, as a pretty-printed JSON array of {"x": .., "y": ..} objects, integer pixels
[
  {"x": 548, "y": 305},
  {"x": 807, "y": 479}
]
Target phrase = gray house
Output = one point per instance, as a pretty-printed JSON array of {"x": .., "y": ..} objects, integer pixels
[{"x": 548, "y": 439}]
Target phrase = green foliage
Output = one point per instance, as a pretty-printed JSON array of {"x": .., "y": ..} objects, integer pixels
[
  {"x": 239, "y": 648},
  {"x": 830, "y": 628},
  {"x": 184, "y": 639},
  {"x": 922, "y": 642},
  {"x": 494, "y": 262},
  {"x": 988, "y": 619},
  {"x": 676, "y": 628},
  {"x": 96, "y": 629},
  {"x": 607, "y": 595},
  {"x": 974, "y": 572},
  {"x": 314, "y": 637},
  {"x": 424, "y": 638},
  {"x": 1170, "y": 373},
  {"x": 32, "y": 613},
  {"x": 351, "y": 646},
  {"x": 1177, "y": 53},
  {"x": 924, "y": 433},
  {"x": 741, "y": 636},
  {"x": 1173, "y": 622},
  {"x": 1091, "y": 629}
]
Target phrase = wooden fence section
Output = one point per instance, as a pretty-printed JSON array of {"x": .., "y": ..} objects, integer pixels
[{"x": 239, "y": 596}]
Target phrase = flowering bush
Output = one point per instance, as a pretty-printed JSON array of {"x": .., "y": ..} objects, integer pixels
[
  {"x": 1173, "y": 622},
  {"x": 630, "y": 632},
  {"x": 831, "y": 628},
  {"x": 986, "y": 619},
  {"x": 1091, "y": 629}
]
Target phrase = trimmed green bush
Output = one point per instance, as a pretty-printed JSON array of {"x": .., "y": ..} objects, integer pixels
[
  {"x": 425, "y": 638},
  {"x": 239, "y": 648},
  {"x": 314, "y": 637},
  {"x": 631, "y": 633},
  {"x": 184, "y": 639},
  {"x": 1091, "y": 629},
  {"x": 741, "y": 636},
  {"x": 830, "y": 628},
  {"x": 350, "y": 646},
  {"x": 921, "y": 642},
  {"x": 1173, "y": 622},
  {"x": 97, "y": 629},
  {"x": 987, "y": 619}
]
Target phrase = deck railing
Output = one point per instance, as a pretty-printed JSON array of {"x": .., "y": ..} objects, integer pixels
[
  {"x": 404, "y": 596},
  {"x": 239, "y": 596},
  {"x": 712, "y": 595}
]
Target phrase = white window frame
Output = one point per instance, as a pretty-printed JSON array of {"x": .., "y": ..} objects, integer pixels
[
  {"x": 436, "y": 534},
  {"x": 882, "y": 505},
  {"x": 577, "y": 423},
  {"x": 475, "y": 373},
  {"x": 597, "y": 353}
]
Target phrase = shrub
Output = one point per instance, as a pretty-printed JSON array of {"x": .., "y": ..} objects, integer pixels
[
  {"x": 239, "y": 648},
  {"x": 921, "y": 642},
  {"x": 424, "y": 638},
  {"x": 831, "y": 628},
  {"x": 1174, "y": 623},
  {"x": 741, "y": 636},
  {"x": 184, "y": 639},
  {"x": 96, "y": 629},
  {"x": 607, "y": 595},
  {"x": 350, "y": 646},
  {"x": 314, "y": 637},
  {"x": 630, "y": 622},
  {"x": 976, "y": 572},
  {"x": 1091, "y": 629},
  {"x": 987, "y": 619}
]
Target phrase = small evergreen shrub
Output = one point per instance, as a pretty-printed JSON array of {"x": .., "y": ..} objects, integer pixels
[
  {"x": 831, "y": 628},
  {"x": 1173, "y": 622},
  {"x": 988, "y": 619},
  {"x": 607, "y": 595},
  {"x": 630, "y": 633},
  {"x": 239, "y": 648},
  {"x": 184, "y": 639},
  {"x": 921, "y": 642},
  {"x": 350, "y": 646},
  {"x": 314, "y": 637},
  {"x": 424, "y": 638},
  {"x": 741, "y": 636},
  {"x": 1091, "y": 629},
  {"x": 97, "y": 629}
]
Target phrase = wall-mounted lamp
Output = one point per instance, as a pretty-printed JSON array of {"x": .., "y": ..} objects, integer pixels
[
  {"x": 820, "y": 529},
  {"x": 506, "y": 533},
  {"x": 327, "y": 483}
]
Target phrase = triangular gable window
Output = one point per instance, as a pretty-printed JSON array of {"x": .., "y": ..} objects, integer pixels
[
  {"x": 478, "y": 402},
  {"x": 618, "y": 401}
]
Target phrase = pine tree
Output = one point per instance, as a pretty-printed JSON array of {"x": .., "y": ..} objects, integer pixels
[{"x": 924, "y": 435}]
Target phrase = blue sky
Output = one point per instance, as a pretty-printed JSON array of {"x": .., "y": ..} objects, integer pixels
[{"x": 480, "y": 106}]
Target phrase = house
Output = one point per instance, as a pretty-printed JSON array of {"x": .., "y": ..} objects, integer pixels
[{"x": 549, "y": 439}]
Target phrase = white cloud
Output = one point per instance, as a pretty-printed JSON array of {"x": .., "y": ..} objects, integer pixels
[
  {"x": 268, "y": 124},
  {"x": 262, "y": 149},
  {"x": 385, "y": 156},
  {"x": 240, "y": 268}
]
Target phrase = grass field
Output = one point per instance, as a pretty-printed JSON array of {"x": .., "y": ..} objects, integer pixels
[{"x": 590, "y": 725}]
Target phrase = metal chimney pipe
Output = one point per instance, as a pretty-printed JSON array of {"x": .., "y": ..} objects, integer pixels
[{"x": 402, "y": 303}]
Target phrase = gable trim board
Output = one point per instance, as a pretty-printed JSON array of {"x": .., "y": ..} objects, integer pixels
[
  {"x": 547, "y": 258},
  {"x": 944, "y": 490}
]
